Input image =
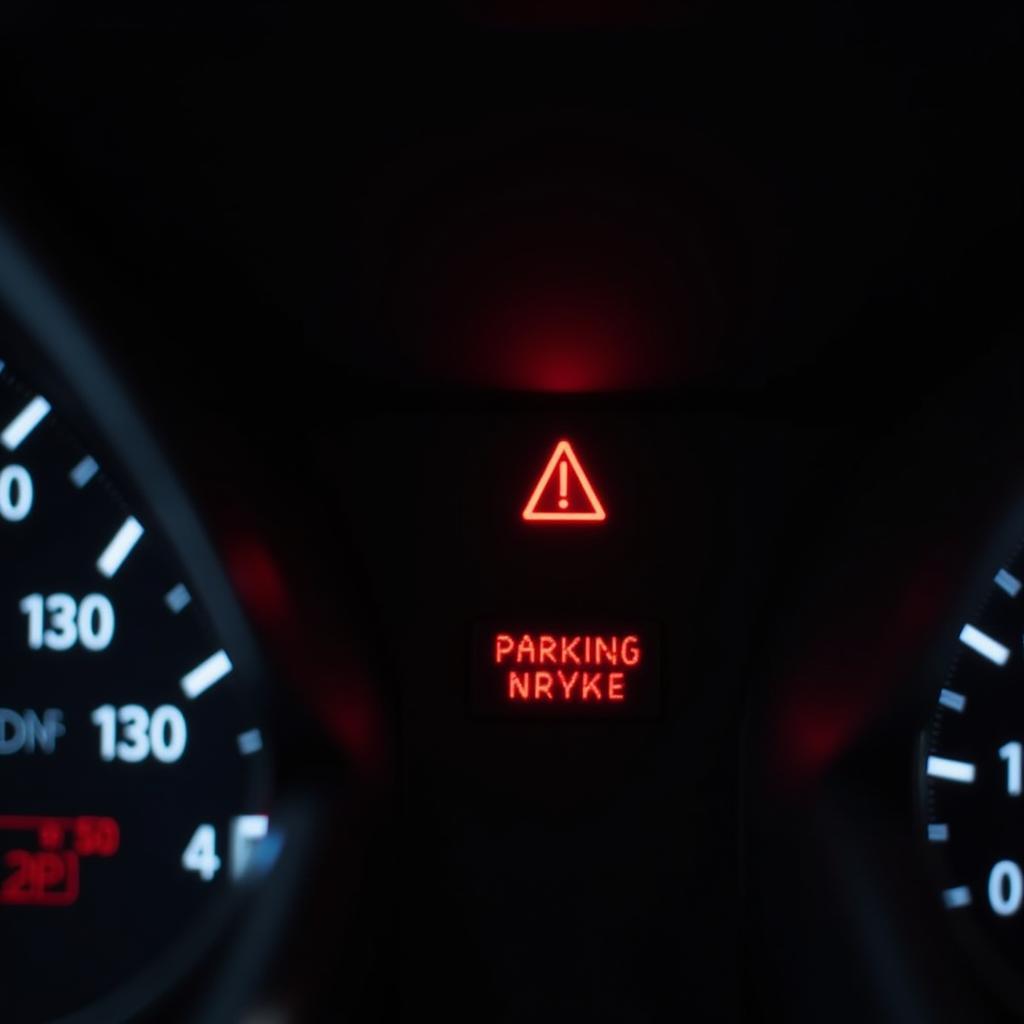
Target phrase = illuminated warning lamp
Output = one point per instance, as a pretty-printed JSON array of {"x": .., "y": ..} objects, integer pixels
[
  {"x": 564, "y": 493},
  {"x": 566, "y": 668}
]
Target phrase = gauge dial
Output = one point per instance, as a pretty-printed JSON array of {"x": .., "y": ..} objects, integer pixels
[
  {"x": 132, "y": 761},
  {"x": 973, "y": 780}
]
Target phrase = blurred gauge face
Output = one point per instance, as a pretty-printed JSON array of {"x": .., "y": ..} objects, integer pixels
[
  {"x": 972, "y": 780},
  {"x": 130, "y": 760}
]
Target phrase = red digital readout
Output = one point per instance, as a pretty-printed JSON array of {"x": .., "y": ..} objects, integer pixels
[
  {"x": 567, "y": 668},
  {"x": 47, "y": 875}
]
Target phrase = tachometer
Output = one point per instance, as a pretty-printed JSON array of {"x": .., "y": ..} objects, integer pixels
[{"x": 973, "y": 780}]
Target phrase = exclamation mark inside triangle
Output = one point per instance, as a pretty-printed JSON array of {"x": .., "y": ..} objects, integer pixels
[{"x": 564, "y": 493}]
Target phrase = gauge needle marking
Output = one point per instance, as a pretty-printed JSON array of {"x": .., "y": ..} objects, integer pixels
[
  {"x": 953, "y": 771},
  {"x": 983, "y": 644}
]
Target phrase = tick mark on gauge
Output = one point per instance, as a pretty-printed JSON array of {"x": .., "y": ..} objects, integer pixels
[
  {"x": 177, "y": 598},
  {"x": 1008, "y": 582},
  {"x": 206, "y": 674},
  {"x": 952, "y": 700},
  {"x": 84, "y": 472},
  {"x": 960, "y": 896},
  {"x": 115, "y": 553},
  {"x": 984, "y": 645},
  {"x": 953, "y": 771},
  {"x": 250, "y": 742},
  {"x": 938, "y": 833},
  {"x": 247, "y": 832},
  {"x": 25, "y": 422}
]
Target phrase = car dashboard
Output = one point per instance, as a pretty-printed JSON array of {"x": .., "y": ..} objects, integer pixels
[{"x": 511, "y": 513}]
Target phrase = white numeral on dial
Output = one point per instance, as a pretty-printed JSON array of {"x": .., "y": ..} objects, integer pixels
[
  {"x": 200, "y": 855},
  {"x": 1006, "y": 888},
  {"x": 162, "y": 735},
  {"x": 16, "y": 493},
  {"x": 1011, "y": 754},
  {"x": 58, "y": 622}
]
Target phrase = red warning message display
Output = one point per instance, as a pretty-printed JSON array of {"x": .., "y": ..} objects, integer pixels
[{"x": 567, "y": 670}]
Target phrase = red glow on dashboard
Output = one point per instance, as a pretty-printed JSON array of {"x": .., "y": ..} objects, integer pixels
[
  {"x": 316, "y": 656},
  {"x": 258, "y": 580},
  {"x": 552, "y": 500},
  {"x": 352, "y": 715},
  {"x": 567, "y": 348},
  {"x": 845, "y": 686},
  {"x": 599, "y": 333},
  {"x": 553, "y": 293},
  {"x": 49, "y": 876}
]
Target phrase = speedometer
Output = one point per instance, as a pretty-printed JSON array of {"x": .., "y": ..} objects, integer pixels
[{"x": 133, "y": 761}]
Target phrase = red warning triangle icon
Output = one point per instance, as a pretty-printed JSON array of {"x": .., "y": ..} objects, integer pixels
[{"x": 563, "y": 493}]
